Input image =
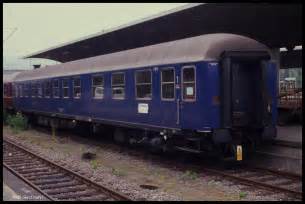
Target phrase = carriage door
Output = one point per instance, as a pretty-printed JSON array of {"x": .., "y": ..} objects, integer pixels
[
  {"x": 187, "y": 96},
  {"x": 244, "y": 92}
]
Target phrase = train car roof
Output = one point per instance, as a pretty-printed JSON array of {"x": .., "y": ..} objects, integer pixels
[
  {"x": 10, "y": 77},
  {"x": 204, "y": 47}
]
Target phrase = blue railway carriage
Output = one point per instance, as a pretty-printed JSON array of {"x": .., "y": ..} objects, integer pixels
[{"x": 215, "y": 91}]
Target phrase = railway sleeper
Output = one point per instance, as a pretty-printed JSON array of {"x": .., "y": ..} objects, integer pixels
[
  {"x": 253, "y": 175},
  {"x": 58, "y": 185},
  {"x": 69, "y": 189},
  {"x": 14, "y": 160},
  {"x": 53, "y": 176},
  {"x": 295, "y": 186},
  {"x": 15, "y": 154},
  {"x": 103, "y": 197},
  {"x": 51, "y": 181},
  {"x": 285, "y": 183},
  {"x": 75, "y": 195},
  {"x": 10, "y": 149},
  {"x": 40, "y": 173},
  {"x": 30, "y": 167},
  {"x": 243, "y": 173},
  {"x": 24, "y": 164},
  {"x": 266, "y": 178},
  {"x": 45, "y": 169}
]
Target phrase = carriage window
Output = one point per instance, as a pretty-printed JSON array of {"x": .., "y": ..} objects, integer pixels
[
  {"x": 15, "y": 90},
  {"x": 56, "y": 88},
  {"x": 28, "y": 90},
  {"x": 188, "y": 82},
  {"x": 76, "y": 88},
  {"x": 34, "y": 88},
  {"x": 39, "y": 90},
  {"x": 48, "y": 89},
  {"x": 20, "y": 90},
  {"x": 65, "y": 88},
  {"x": 24, "y": 88},
  {"x": 143, "y": 84},
  {"x": 118, "y": 85},
  {"x": 98, "y": 87},
  {"x": 6, "y": 91},
  {"x": 168, "y": 83}
]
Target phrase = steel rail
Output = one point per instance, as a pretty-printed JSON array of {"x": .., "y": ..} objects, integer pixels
[
  {"x": 112, "y": 193},
  {"x": 251, "y": 182}
]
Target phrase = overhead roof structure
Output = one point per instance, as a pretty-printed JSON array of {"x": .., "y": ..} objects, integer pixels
[{"x": 275, "y": 25}]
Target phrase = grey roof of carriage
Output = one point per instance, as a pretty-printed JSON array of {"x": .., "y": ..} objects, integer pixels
[
  {"x": 275, "y": 25},
  {"x": 206, "y": 47},
  {"x": 10, "y": 77}
]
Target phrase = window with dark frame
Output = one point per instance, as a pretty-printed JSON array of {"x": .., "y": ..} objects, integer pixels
[
  {"x": 48, "y": 88},
  {"x": 34, "y": 88},
  {"x": 118, "y": 85},
  {"x": 189, "y": 86},
  {"x": 21, "y": 91},
  {"x": 39, "y": 90},
  {"x": 56, "y": 88},
  {"x": 15, "y": 90},
  {"x": 76, "y": 87},
  {"x": 26, "y": 90},
  {"x": 143, "y": 84},
  {"x": 168, "y": 84},
  {"x": 98, "y": 86},
  {"x": 65, "y": 88},
  {"x": 6, "y": 91}
]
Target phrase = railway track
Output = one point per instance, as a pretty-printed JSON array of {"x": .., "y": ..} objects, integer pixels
[
  {"x": 259, "y": 178},
  {"x": 274, "y": 181},
  {"x": 51, "y": 180}
]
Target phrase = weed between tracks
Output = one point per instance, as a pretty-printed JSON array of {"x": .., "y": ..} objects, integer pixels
[
  {"x": 242, "y": 194},
  {"x": 118, "y": 172},
  {"x": 190, "y": 175},
  {"x": 17, "y": 122},
  {"x": 94, "y": 164}
]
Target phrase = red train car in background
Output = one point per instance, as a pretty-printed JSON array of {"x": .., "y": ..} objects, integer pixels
[
  {"x": 8, "y": 88},
  {"x": 8, "y": 96}
]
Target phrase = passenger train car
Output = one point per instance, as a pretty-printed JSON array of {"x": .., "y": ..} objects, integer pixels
[
  {"x": 8, "y": 92},
  {"x": 214, "y": 91}
]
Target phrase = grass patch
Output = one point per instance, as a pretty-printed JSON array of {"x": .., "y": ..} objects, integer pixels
[
  {"x": 94, "y": 163},
  {"x": 118, "y": 172},
  {"x": 17, "y": 122},
  {"x": 242, "y": 194},
  {"x": 190, "y": 175}
]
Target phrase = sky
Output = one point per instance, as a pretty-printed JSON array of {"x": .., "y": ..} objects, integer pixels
[{"x": 39, "y": 26}]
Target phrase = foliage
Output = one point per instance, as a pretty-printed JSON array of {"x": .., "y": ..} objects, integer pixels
[
  {"x": 17, "y": 122},
  {"x": 242, "y": 194},
  {"x": 94, "y": 164},
  {"x": 118, "y": 172},
  {"x": 190, "y": 175}
]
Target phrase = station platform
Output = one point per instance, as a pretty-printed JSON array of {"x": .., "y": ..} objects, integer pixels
[
  {"x": 14, "y": 189},
  {"x": 290, "y": 133},
  {"x": 284, "y": 154}
]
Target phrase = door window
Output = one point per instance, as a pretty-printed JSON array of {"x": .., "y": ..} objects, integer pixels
[{"x": 189, "y": 83}]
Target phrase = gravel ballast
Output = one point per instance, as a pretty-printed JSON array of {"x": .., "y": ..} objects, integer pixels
[{"x": 125, "y": 172}]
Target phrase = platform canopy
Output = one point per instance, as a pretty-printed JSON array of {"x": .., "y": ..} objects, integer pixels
[{"x": 275, "y": 25}]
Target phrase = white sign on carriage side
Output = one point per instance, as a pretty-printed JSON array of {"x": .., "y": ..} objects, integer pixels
[{"x": 143, "y": 108}]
